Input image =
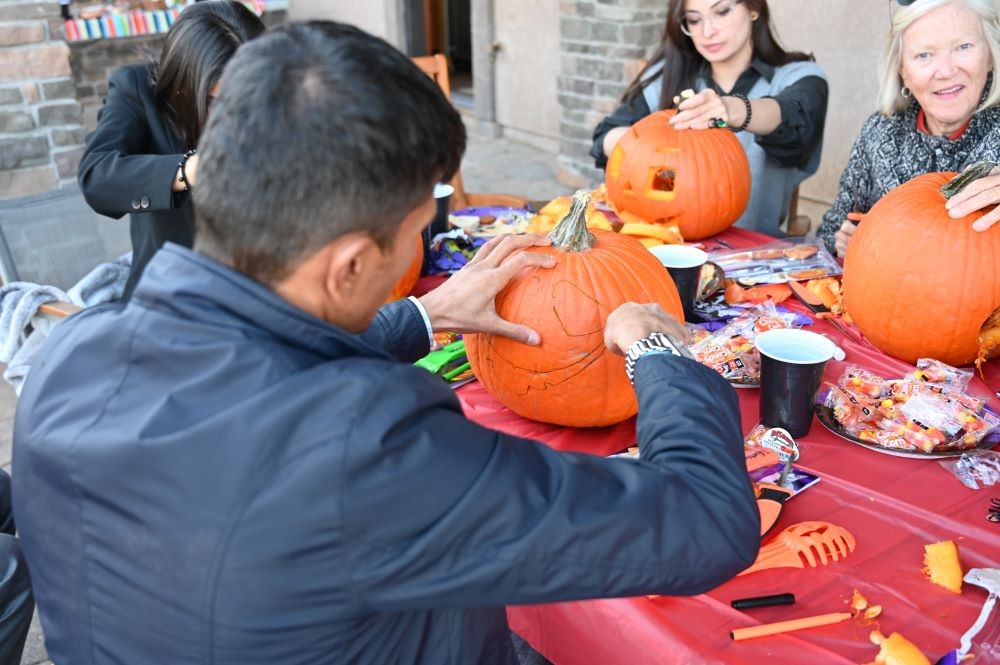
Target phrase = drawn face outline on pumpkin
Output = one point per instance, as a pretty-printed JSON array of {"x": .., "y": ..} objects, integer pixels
[
  {"x": 945, "y": 62},
  {"x": 726, "y": 37}
]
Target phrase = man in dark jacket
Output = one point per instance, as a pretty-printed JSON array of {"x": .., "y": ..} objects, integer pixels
[
  {"x": 241, "y": 465},
  {"x": 16, "y": 603}
]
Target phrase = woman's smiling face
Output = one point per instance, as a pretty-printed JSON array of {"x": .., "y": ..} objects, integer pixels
[{"x": 945, "y": 62}]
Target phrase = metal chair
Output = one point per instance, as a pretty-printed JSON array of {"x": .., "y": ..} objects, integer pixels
[{"x": 55, "y": 239}]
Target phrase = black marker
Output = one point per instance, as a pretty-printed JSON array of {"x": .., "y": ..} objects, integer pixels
[{"x": 763, "y": 601}]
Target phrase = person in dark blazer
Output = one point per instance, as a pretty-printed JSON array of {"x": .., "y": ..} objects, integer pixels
[{"x": 141, "y": 159}]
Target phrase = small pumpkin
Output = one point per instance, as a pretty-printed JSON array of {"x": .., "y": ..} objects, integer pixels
[
  {"x": 409, "y": 278},
  {"x": 571, "y": 378},
  {"x": 698, "y": 179},
  {"x": 918, "y": 283}
]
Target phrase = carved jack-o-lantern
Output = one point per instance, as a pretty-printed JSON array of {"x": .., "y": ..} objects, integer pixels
[{"x": 697, "y": 179}]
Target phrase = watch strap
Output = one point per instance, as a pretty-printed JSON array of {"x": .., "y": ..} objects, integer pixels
[{"x": 655, "y": 343}]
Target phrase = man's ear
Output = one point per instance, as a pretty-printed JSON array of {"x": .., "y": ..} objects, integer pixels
[{"x": 351, "y": 262}]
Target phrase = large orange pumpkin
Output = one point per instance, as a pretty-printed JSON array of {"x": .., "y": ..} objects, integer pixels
[
  {"x": 698, "y": 179},
  {"x": 918, "y": 283},
  {"x": 571, "y": 378},
  {"x": 409, "y": 278}
]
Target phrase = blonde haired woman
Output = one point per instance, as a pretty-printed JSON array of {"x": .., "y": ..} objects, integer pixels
[{"x": 938, "y": 111}]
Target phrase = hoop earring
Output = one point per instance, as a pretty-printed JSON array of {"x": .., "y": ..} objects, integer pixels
[{"x": 905, "y": 92}]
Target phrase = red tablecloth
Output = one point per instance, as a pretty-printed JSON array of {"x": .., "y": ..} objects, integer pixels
[{"x": 893, "y": 506}]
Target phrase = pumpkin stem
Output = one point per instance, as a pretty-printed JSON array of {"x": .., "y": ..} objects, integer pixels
[
  {"x": 980, "y": 169},
  {"x": 571, "y": 234}
]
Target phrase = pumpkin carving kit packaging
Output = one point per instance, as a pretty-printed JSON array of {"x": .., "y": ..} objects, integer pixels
[{"x": 777, "y": 263}]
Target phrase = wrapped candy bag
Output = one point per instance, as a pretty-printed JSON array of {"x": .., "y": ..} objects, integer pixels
[
  {"x": 976, "y": 468},
  {"x": 856, "y": 397},
  {"x": 730, "y": 350},
  {"x": 916, "y": 413},
  {"x": 936, "y": 372}
]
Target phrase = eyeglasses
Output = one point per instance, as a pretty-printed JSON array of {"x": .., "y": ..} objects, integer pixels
[{"x": 720, "y": 17}]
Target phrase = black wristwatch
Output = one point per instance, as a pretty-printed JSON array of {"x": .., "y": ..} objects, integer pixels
[{"x": 657, "y": 342}]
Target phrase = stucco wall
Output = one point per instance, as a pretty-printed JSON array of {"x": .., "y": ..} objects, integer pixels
[
  {"x": 527, "y": 67},
  {"x": 847, "y": 38},
  {"x": 369, "y": 15}
]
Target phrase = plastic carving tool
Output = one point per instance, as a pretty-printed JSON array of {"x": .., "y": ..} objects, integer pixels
[{"x": 445, "y": 359}]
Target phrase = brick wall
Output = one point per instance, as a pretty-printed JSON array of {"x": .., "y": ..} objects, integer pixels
[
  {"x": 602, "y": 43},
  {"x": 41, "y": 134},
  {"x": 93, "y": 62}
]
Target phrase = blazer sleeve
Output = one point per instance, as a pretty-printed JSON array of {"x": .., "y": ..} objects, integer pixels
[
  {"x": 625, "y": 115},
  {"x": 118, "y": 169},
  {"x": 441, "y": 512},
  {"x": 803, "y": 116},
  {"x": 399, "y": 330}
]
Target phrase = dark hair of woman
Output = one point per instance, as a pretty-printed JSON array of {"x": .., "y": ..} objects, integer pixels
[
  {"x": 682, "y": 63},
  {"x": 197, "y": 48}
]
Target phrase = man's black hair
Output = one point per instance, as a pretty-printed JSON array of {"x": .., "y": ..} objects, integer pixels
[{"x": 319, "y": 130}]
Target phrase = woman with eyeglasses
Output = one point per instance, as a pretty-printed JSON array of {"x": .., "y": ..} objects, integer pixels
[
  {"x": 939, "y": 110},
  {"x": 141, "y": 159},
  {"x": 726, "y": 51}
]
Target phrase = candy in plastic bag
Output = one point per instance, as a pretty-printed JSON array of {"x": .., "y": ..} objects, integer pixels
[
  {"x": 935, "y": 371},
  {"x": 976, "y": 469}
]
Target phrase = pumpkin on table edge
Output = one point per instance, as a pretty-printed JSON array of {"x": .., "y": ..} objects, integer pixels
[
  {"x": 698, "y": 179},
  {"x": 409, "y": 278},
  {"x": 571, "y": 378},
  {"x": 918, "y": 283}
]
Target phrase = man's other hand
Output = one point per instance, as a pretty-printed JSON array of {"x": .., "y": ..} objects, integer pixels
[{"x": 631, "y": 322}]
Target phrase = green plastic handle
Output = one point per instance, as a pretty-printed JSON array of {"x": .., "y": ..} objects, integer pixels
[{"x": 436, "y": 361}]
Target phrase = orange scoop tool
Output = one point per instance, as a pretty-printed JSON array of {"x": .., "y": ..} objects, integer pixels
[{"x": 815, "y": 543}]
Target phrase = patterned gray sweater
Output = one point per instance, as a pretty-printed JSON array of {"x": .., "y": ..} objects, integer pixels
[{"x": 890, "y": 151}]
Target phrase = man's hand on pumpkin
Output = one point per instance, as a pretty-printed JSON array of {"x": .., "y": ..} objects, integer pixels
[
  {"x": 465, "y": 302},
  {"x": 631, "y": 322},
  {"x": 979, "y": 194},
  {"x": 696, "y": 112}
]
